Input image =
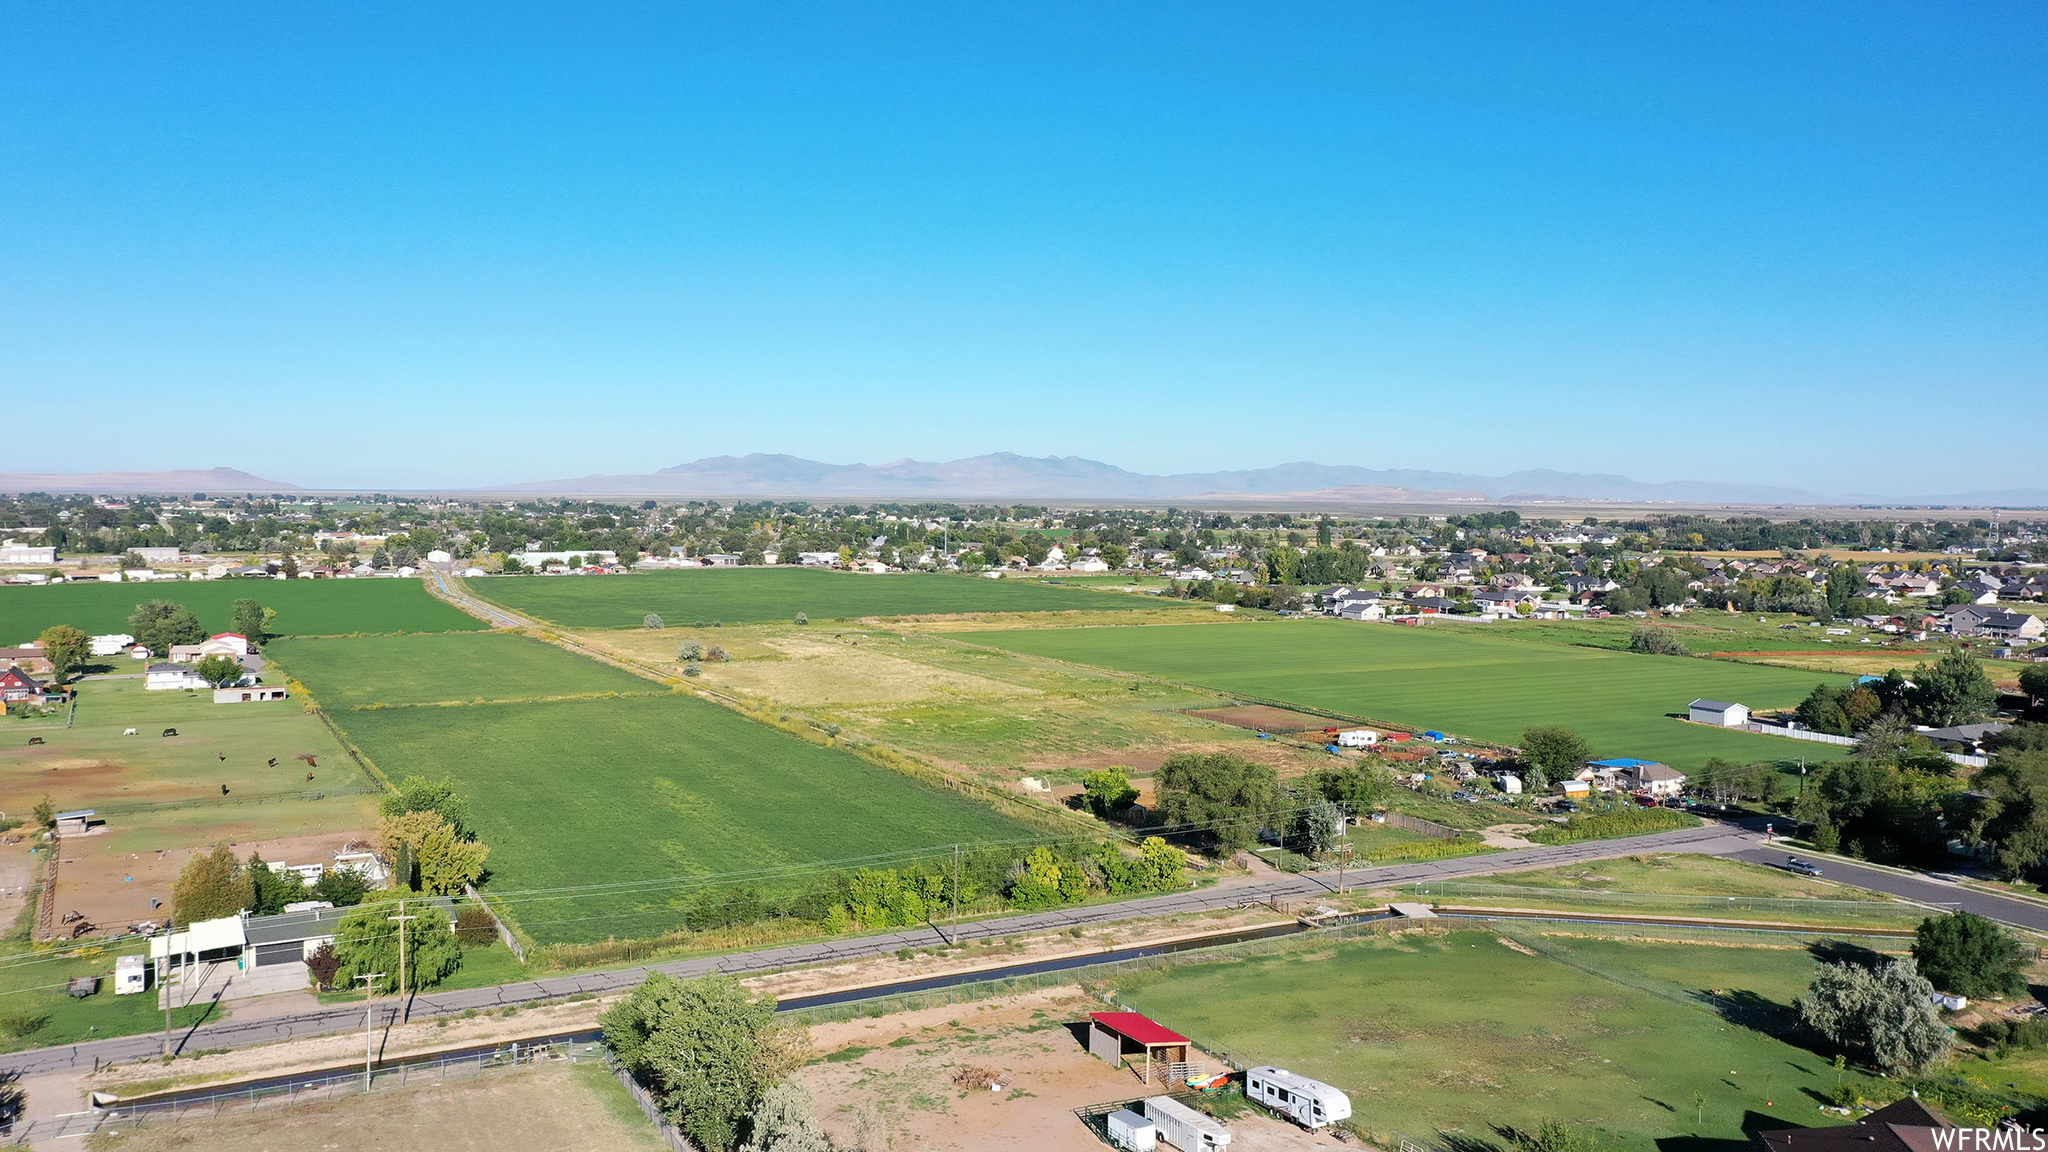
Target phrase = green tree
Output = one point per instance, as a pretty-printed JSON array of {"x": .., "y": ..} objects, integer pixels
[
  {"x": 2034, "y": 682},
  {"x": 1044, "y": 881},
  {"x": 251, "y": 619},
  {"x": 425, "y": 841},
  {"x": 1887, "y": 1014},
  {"x": 341, "y": 887},
  {"x": 211, "y": 885},
  {"x": 1318, "y": 825},
  {"x": 65, "y": 648},
  {"x": 1955, "y": 690},
  {"x": 1225, "y": 798},
  {"x": 366, "y": 941},
  {"x": 1357, "y": 786},
  {"x": 1657, "y": 642},
  {"x": 706, "y": 1049},
  {"x": 652, "y": 622},
  {"x": 419, "y": 794},
  {"x": 46, "y": 811},
  {"x": 1115, "y": 555},
  {"x": 219, "y": 670},
  {"x": 1552, "y": 753},
  {"x": 158, "y": 625},
  {"x": 1108, "y": 791},
  {"x": 270, "y": 889},
  {"x": 1968, "y": 955}
]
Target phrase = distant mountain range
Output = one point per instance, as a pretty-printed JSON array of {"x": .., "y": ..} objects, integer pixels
[
  {"x": 1007, "y": 476},
  {"x": 225, "y": 481},
  {"x": 1010, "y": 477}
]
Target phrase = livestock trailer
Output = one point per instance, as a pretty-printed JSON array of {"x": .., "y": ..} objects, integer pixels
[
  {"x": 1185, "y": 1128},
  {"x": 1309, "y": 1103},
  {"x": 1130, "y": 1131}
]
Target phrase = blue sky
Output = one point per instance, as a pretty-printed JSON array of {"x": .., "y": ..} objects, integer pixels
[{"x": 435, "y": 244}]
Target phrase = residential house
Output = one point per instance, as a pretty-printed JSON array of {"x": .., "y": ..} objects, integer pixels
[
  {"x": 1432, "y": 605},
  {"x": 169, "y": 677},
  {"x": 1655, "y": 780},
  {"x": 1965, "y": 738},
  {"x": 112, "y": 644},
  {"x": 1907, "y": 1125},
  {"x": 2011, "y": 626},
  {"x": 1415, "y": 591},
  {"x": 1361, "y": 610},
  {"x": 1577, "y": 585},
  {"x": 17, "y": 686}
]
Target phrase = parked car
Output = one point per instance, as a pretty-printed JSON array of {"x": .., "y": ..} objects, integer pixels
[{"x": 1566, "y": 806}]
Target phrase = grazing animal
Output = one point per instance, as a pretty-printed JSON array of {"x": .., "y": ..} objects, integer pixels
[
  {"x": 129, "y": 732},
  {"x": 309, "y": 777},
  {"x": 170, "y": 731},
  {"x": 223, "y": 757},
  {"x": 223, "y": 789},
  {"x": 34, "y": 740},
  {"x": 273, "y": 761}
]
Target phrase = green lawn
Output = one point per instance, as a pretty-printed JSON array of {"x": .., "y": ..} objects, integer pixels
[
  {"x": 747, "y": 595},
  {"x": 158, "y": 792},
  {"x": 1464, "y": 1034},
  {"x": 1486, "y": 687},
  {"x": 304, "y": 607},
  {"x": 433, "y": 669},
  {"x": 649, "y": 787},
  {"x": 36, "y": 1012}
]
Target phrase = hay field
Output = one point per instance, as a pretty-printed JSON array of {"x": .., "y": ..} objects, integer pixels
[
  {"x": 433, "y": 669},
  {"x": 304, "y": 607},
  {"x": 749, "y": 595},
  {"x": 1480, "y": 686}
]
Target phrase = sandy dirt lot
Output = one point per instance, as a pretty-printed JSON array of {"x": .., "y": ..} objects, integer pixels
[
  {"x": 114, "y": 889},
  {"x": 888, "y": 1082},
  {"x": 555, "y": 1107}
]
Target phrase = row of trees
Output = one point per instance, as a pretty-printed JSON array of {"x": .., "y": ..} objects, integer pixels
[{"x": 1955, "y": 689}]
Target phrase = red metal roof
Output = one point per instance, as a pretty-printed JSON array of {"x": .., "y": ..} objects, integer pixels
[{"x": 1138, "y": 1027}]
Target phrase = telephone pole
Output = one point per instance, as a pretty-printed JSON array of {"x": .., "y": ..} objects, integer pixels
[
  {"x": 369, "y": 999},
  {"x": 404, "y": 1005},
  {"x": 956, "y": 895},
  {"x": 163, "y": 985}
]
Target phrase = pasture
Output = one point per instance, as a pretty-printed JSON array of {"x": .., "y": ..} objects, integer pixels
[
  {"x": 642, "y": 788},
  {"x": 1480, "y": 686},
  {"x": 752, "y": 595},
  {"x": 156, "y": 792},
  {"x": 304, "y": 607},
  {"x": 1611, "y": 1035},
  {"x": 466, "y": 667}
]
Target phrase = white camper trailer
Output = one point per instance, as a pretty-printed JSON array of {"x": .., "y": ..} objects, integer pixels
[
  {"x": 1357, "y": 738},
  {"x": 1310, "y": 1103},
  {"x": 1185, "y": 1128},
  {"x": 1132, "y": 1132}
]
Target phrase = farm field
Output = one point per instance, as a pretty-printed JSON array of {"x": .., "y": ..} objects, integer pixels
[
  {"x": 156, "y": 792},
  {"x": 644, "y": 788},
  {"x": 1614, "y": 1035},
  {"x": 304, "y": 607},
  {"x": 1484, "y": 687},
  {"x": 972, "y": 707},
  {"x": 748, "y": 595},
  {"x": 1701, "y": 631},
  {"x": 434, "y": 669}
]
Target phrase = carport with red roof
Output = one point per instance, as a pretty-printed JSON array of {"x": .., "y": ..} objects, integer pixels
[{"x": 1118, "y": 1036}]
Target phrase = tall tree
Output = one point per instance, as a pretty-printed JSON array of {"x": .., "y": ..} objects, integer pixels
[
  {"x": 1886, "y": 1013},
  {"x": 366, "y": 941},
  {"x": 1968, "y": 955},
  {"x": 219, "y": 670},
  {"x": 706, "y": 1048},
  {"x": 419, "y": 794},
  {"x": 65, "y": 648},
  {"x": 161, "y": 624},
  {"x": 1226, "y": 797},
  {"x": 425, "y": 841},
  {"x": 1955, "y": 690},
  {"x": 272, "y": 889},
  {"x": 251, "y": 620},
  {"x": 1552, "y": 753},
  {"x": 211, "y": 885},
  {"x": 785, "y": 1120}
]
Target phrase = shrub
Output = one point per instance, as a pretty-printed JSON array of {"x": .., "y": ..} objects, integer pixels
[
  {"x": 1599, "y": 826},
  {"x": 475, "y": 926},
  {"x": 1657, "y": 642},
  {"x": 322, "y": 964},
  {"x": 652, "y": 622}
]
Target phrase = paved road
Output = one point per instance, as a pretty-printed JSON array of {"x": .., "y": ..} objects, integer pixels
[
  {"x": 234, "y": 1034},
  {"x": 468, "y": 601},
  {"x": 1925, "y": 888}
]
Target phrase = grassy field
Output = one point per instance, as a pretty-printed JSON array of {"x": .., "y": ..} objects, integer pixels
[
  {"x": 159, "y": 792},
  {"x": 1480, "y": 686},
  {"x": 641, "y": 788},
  {"x": 433, "y": 669},
  {"x": 304, "y": 607},
  {"x": 743, "y": 595},
  {"x": 1613, "y": 1035},
  {"x": 1708, "y": 632}
]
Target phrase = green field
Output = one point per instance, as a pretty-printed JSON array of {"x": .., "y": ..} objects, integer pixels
[
  {"x": 158, "y": 792},
  {"x": 750, "y": 595},
  {"x": 304, "y": 607},
  {"x": 434, "y": 669},
  {"x": 1462, "y": 1034},
  {"x": 642, "y": 788},
  {"x": 1485, "y": 687}
]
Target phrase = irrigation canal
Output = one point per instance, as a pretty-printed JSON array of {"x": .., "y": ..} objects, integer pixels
[{"x": 245, "y": 1089}]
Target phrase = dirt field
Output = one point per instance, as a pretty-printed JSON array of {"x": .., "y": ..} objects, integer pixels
[
  {"x": 114, "y": 889},
  {"x": 888, "y": 1081},
  {"x": 1263, "y": 718},
  {"x": 554, "y": 1107}
]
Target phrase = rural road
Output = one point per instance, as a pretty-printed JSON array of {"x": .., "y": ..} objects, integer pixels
[
  {"x": 1710, "y": 839},
  {"x": 468, "y": 601}
]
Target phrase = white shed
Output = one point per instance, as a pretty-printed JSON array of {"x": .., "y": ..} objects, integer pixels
[{"x": 1719, "y": 713}]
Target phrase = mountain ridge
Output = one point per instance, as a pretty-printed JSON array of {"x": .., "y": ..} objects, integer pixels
[{"x": 174, "y": 480}]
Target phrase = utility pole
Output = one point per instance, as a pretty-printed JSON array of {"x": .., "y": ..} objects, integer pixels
[
  {"x": 404, "y": 1005},
  {"x": 163, "y": 985},
  {"x": 956, "y": 895},
  {"x": 369, "y": 999}
]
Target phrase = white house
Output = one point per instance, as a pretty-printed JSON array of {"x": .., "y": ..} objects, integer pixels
[
  {"x": 1088, "y": 564},
  {"x": 111, "y": 644},
  {"x": 171, "y": 677},
  {"x": 1361, "y": 610},
  {"x": 1719, "y": 713}
]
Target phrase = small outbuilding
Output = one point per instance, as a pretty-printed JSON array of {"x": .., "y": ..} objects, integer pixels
[
  {"x": 1719, "y": 713},
  {"x": 1120, "y": 1036},
  {"x": 252, "y": 694},
  {"x": 74, "y": 823}
]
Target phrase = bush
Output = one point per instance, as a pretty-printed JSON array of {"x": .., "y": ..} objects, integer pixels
[
  {"x": 475, "y": 927},
  {"x": 1657, "y": 642},
  {"x": 1422, "y": 850},
  {"x": 1968, "y": 955},
  {"x": 322, "y": 964},
  {"x": 1599, "y": 826},
  {"x": 2002, "y": 1035}
]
